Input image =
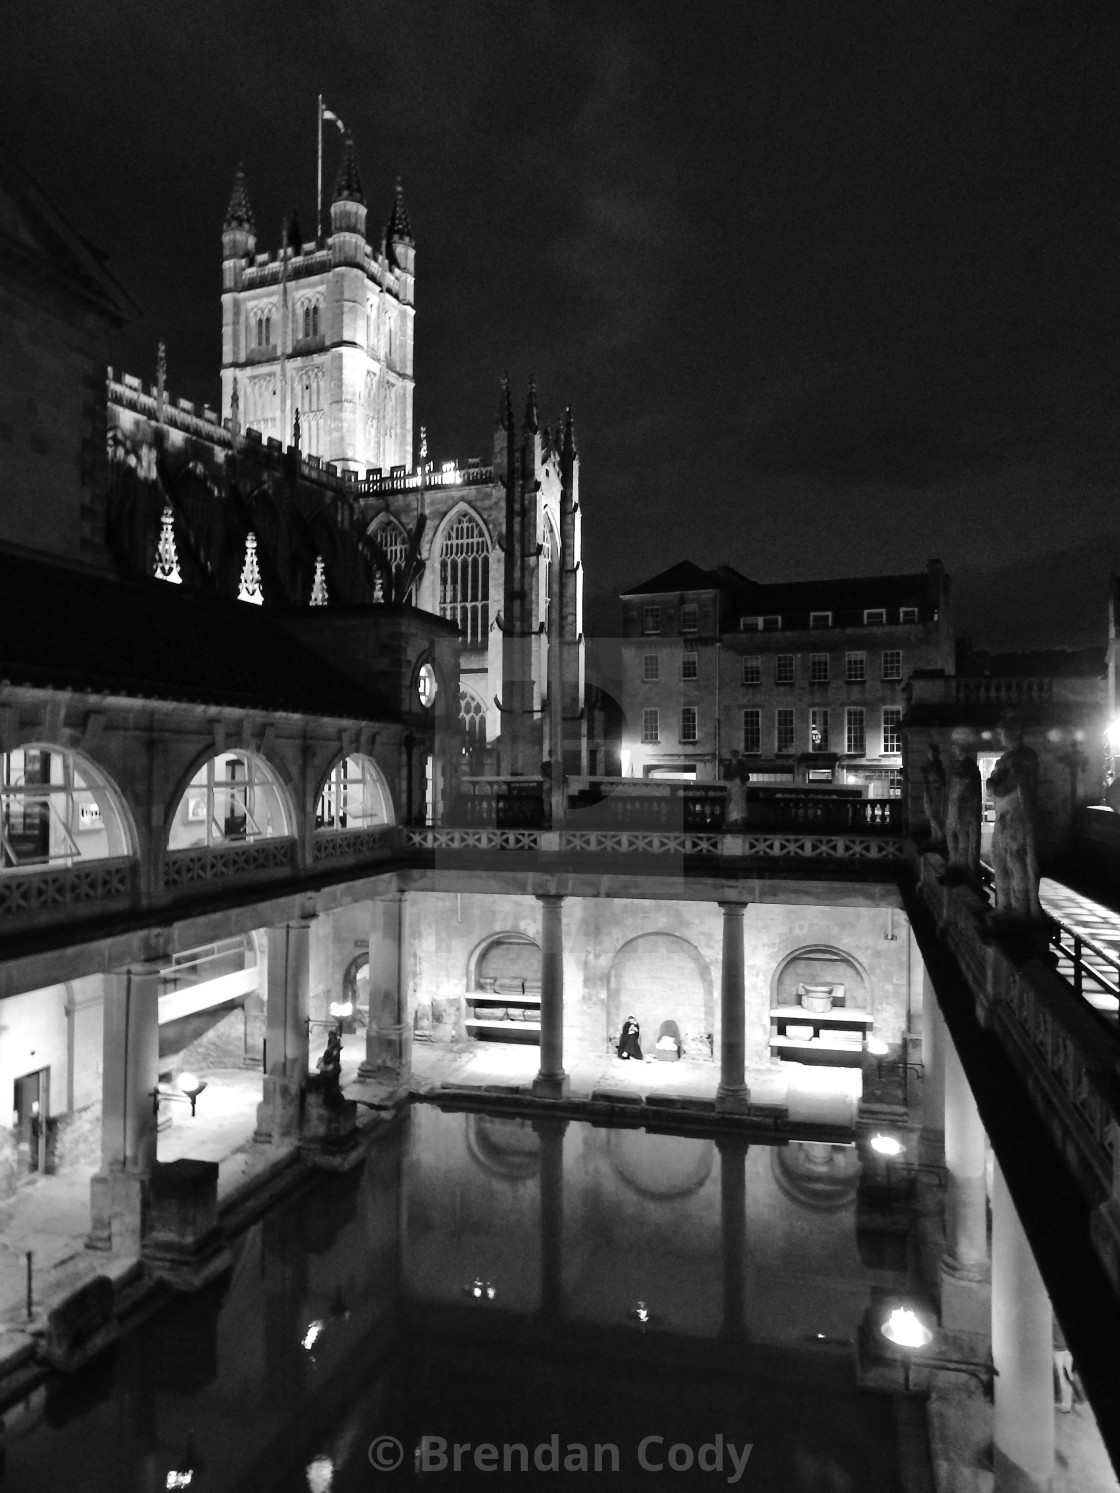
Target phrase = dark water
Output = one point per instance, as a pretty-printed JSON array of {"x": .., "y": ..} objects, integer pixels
[{"x": 477, "y": 1283}]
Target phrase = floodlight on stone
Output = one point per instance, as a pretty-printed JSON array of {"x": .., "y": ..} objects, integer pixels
[
  {"x": 167, "y": 559},
  {"x": 319, "y": 584},
  {"x": 250, "y": 585}
]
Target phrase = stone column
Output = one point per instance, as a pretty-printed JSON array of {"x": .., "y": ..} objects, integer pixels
[
  {"x": 552, "y": 1081},
  {"x": 964, "y": 1265},
  {"x": 286, "y": 1039},
  {"x": 934, "y": 1040},
  {"x": 1023, "y": 1354},
  {"x": 732, "y": 1094},
  {"x": 388, "y": 1057},
  {"x": 129, "y": 1074},
  {"x": 550, "y": 1133},
  {"x": 733, "y": 1231}
]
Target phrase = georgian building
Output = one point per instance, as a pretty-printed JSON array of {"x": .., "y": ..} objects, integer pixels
[{"x": 805, "y": 678}]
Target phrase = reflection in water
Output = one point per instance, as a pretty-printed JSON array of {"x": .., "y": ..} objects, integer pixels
[{"x": 633, "y": 1286}]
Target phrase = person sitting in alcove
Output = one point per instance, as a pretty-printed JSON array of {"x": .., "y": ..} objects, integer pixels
[{"x": 628, "y": 1044}]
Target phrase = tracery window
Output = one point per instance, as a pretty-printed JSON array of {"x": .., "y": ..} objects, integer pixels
[
  {"x": 56, "y": 809},
  {"x": 233, "y": 796},
  {"x": 464, "y": 580},
  {"x": 472, "y": 713},
  {"x": 354, "y": 796},
  {"x": 394, "y": 542}
]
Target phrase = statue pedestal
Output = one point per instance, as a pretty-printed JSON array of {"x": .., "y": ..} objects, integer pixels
[
  {"x": 184, "y": 1246},
  {"x": 329, "y": 1139}
]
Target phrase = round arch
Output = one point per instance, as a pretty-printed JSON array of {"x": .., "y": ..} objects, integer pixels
[
  {"x": 666, "y": 984},
  {"x": 820, "y": 964},
  {"x": 472, "y": 713},
  {"x": 354, "y": 794},
  {"x": 57, "y": 807},
  {"x": 390, "y": 537},
  {"x": 231, "y": 795},
  {"x": 504, "y": 956}
]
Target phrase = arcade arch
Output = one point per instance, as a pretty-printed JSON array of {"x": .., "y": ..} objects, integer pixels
[
  {"x": 355, "y": 795},
  {"x": 56, "y": 808},
  {"x": 661, "y": 979},
  {"x": 234, "y": 795}
]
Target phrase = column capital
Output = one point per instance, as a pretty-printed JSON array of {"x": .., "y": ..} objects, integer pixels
[
  {"x": 548, "y": 898},
  {"x": 733, "y": 909}
]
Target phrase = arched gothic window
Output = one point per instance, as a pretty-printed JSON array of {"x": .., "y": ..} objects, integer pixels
[
  {"x": 355, "y": 796},
  {"x": 56, "y": 809},
  {"x": 314, "y": 321},
  {"x": 268, "y": 331},
  {"x": 394, "y": 542},
  {"x": 472, "y": 712},
  {"x": 464, "y": 580},
  {"x": 307, "y": 321},
  {"x": 233, "y": 796}
]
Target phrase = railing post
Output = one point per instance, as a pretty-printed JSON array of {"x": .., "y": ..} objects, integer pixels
[{"x": 1078, "y": 973}]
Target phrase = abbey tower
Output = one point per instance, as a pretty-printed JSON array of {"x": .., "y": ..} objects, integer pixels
[{"x": 323, "y": 330}]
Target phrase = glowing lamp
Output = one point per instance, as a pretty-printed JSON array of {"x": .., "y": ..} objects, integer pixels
[
  {"x": 906, "y": 1329},
  {"x": 887, "y": 1145}
]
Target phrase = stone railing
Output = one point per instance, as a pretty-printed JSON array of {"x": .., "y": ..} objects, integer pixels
[
  {"x": 346, "y": 844},
  {"x": 997, "y": 691},
  {"x": 824, "y": 811},
  {"x": 1067, "y": 1057},
  {"x": 38, "y": 889},
  {"x": 662, "y": 843},
  {"x": 213, "y": 862}
]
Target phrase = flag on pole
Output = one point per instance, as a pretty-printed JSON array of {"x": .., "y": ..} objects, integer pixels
[{"x": 333, "y": 117}]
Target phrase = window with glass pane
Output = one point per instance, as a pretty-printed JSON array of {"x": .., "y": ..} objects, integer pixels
[
  {"x": 783, "y": 731},
  {"x": 690, "y": 618},
  {"x": 818, "y": 730},
  {"x": 688, "y": 723},
  {"x": 689, "y": 665},
  {"x": 651, "y": 667},
  {"x": 472, "y": 713},
  {"x": 855, "y": 667},
  {"x": 651, "y": 619},
  {"x": 855, "y": 736},
  {"x": 234, "y": 796},
  {"x": 393, "y": 543},
  {"x": 820, "y": 619},
  {"x": 908, "y": 614},
  {"x": 784, "y": 668},
  {"x": 818, "y": 668},
  {"x": 650, "y": 730},
  {"x": 874, "y": 615},
  {"x": 752, "y": 732},
  {"x": 892, "y": 663},
  {"x": 464, "y": 580},
  {"x": 54, "y": 810},
  {"x": 353, "y": 797},
  {"x": 752, "y": 669},
  {"x": 892, "y": 729}
]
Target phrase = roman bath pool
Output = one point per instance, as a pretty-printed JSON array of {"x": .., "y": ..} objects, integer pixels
[{"x": 494, "y": 1302}]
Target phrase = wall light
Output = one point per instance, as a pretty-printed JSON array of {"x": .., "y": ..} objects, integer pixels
[{"x": 190, "y": 1087}]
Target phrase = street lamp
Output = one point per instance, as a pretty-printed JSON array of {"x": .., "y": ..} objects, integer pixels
[
  {"x": 907, "y": 1331},
  {"x": 190, "y": 1087}
]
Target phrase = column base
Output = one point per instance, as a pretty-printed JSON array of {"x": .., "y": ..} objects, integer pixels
[
  {"x": 966, "y": 1297},
  {"x": 278, "y": 1111},
  {"x": 118, "y": 1205},
  {"x": 551, "y": 1085},
  {"x": 388, "y": 1058},
  {"x": 733, "y": 1099}
]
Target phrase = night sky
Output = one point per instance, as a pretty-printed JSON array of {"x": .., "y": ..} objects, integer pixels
[{"x": 831, "y": 286}]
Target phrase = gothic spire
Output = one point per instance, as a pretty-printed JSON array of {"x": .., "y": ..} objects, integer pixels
[
  {"x": 505, "y": 406},
  {"x": 569, "y": 447},
  {"x": 532, "y": 423},
  {"x": 239, "y": 214},
  {"x": 398, "y": 230},
  {"x": 348, "y": 184}
]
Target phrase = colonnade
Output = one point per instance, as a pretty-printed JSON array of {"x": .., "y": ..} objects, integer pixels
[{"x": 1003, "y": 1296}]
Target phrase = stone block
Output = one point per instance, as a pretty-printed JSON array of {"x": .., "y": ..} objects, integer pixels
[
  {"x": 184, "y": 1246},
  {"x": 118, "y": 1203},
  {"x": 279, "y": 1109},
  {"x": 82, "y": 1326}
]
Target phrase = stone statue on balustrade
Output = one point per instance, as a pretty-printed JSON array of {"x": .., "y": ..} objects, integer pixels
[
  {"x": 963, "y": 816},
  {"x": 737, "y": 777},
  {"x": 1014, "y": 787},
  {"x": 933, "y": 797}
]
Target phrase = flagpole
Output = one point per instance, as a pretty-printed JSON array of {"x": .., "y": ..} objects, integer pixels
[{"x": 319, "y": 180}]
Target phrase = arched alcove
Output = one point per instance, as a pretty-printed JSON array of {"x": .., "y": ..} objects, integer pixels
[
  {"x": 660, "y": 977},
  {"x": 821, "y": 964},
  {"x": 57, "y": 807},
  {"x": 501, "y": 962}
]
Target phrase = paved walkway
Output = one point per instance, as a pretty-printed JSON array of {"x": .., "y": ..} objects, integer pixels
[{"x": 1101, "y": 926}]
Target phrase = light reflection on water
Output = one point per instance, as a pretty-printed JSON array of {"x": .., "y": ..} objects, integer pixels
[{"x": 488, "y": 1280}]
